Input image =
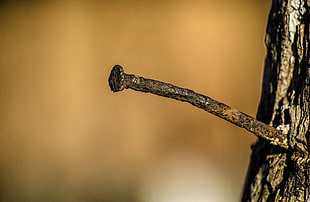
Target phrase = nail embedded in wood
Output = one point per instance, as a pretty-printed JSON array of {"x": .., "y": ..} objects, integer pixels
[{"x": 119, "y": 80}]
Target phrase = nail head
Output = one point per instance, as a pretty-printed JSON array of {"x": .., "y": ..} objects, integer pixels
[{"x": 116, "y": 78}]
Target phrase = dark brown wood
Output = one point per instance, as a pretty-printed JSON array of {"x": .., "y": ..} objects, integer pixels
[
  {"x": 119, "y": 80},
  {"x": 273, "y": 174}
]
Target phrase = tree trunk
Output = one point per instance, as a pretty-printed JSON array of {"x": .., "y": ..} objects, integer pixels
[{"x": 274, "y": 173}]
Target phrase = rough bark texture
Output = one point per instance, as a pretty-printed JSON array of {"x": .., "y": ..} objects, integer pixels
[{"x": 276, "y": 174}]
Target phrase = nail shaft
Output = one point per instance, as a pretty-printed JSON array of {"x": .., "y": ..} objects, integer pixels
[{"x": 119, "y": 80}]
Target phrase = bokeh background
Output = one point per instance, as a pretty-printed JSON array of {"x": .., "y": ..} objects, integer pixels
[{"x": 64, "y": 136}]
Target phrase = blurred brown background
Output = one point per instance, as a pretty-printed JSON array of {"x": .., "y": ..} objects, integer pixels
[{"x": 64, "y": 136}]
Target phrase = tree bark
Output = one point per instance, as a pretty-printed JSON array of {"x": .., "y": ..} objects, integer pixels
[{"x": 276, "y": 174}]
